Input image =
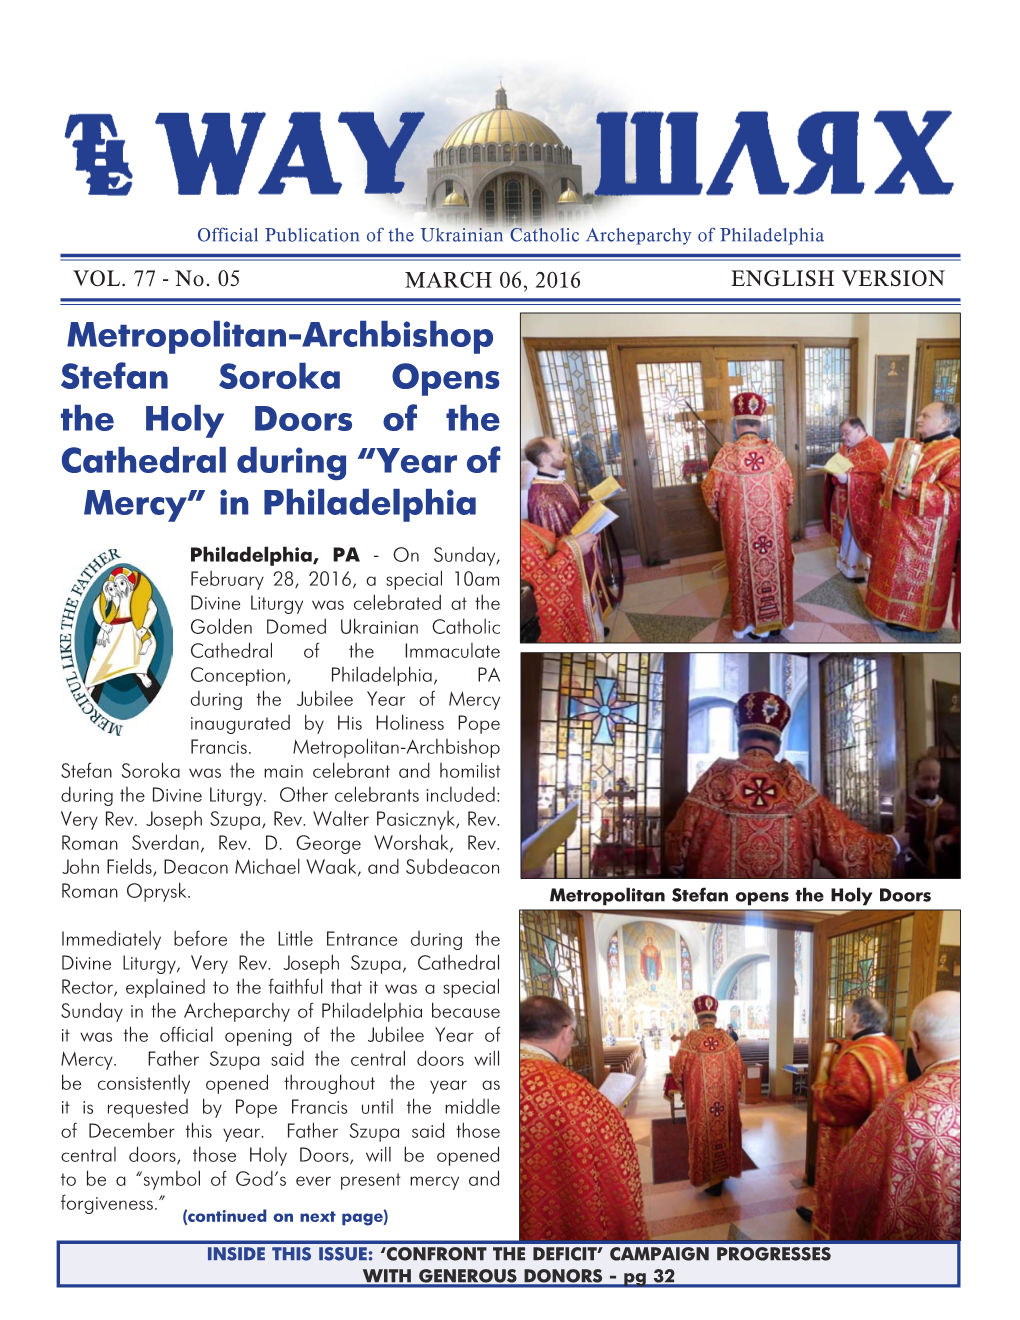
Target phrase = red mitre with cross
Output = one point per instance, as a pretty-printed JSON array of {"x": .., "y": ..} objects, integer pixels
[
  {"x": 749, "y": 405},
  {"x": 761, "y": 712},
  {"x": 705, "y": 1004}
]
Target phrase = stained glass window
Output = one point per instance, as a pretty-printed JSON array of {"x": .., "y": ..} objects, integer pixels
[
  {"x": 827, "y": 398},
  {"x": 551, "y": 964},
  {"x": 946, "y": 380},
  {"x": 874, "y": 961},
  {"x": 850, "y": 736},
  {"x": 579, "y": 397},
  {"x": 677, "y": 443},
  {"x": 686, "y": 982},
  {"x": 613, "y": 962},
  {"x": 764, "y": 376},
  {"x": 718, "y": 948},
  {"x": 600, "y": 742}
]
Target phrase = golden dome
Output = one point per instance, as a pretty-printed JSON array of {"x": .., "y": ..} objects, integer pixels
[
  {"x": 454, "y": 199},
  {"x": 500, "y": 125},
  {"x": 568, "y": 196}
]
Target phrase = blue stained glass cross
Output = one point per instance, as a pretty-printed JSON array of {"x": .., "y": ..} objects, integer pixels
[
  {"x": 867, "y": 982},
  {"x": 554, "y": 968},
  {"x": 607, "y": 708}
]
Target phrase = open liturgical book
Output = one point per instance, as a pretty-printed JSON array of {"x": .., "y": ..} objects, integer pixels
[
  {"x": 605, "y": 490},
  {"x": 536, "y": 850},
  {"x": 837, "y": 465},
  {"x": 596, "y": 518},
  {"x": 619, "y": 1087}
]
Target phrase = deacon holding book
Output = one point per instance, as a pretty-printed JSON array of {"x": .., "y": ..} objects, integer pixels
[
  {"x": 555, "y": 505},
  {"x": 851, "y": 498},
  {"x": 915, "y": 547},
  {"x": 748, "y": 490},
  {"x": 554, "y": 568},
  {"x": 757, "y": 818},
  {"x": 580, "y": 1177},
  {"x": 707, "y": 1067}
]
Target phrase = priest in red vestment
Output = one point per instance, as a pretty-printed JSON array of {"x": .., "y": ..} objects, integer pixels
[
  {"x": 555, "y": 505},
  {"x": 757, "y": 818},
  {"x": 708, "y": 1068},
  {"x": 911, "y": 576},
  {"x": 856, "y": 1075},
  {"x": 748, "y": 489},
  {"x": 580, "y": 1178},
  {"x": 932, "y": 825},
  {"x": 899, "y": 1178},
  {"x": 555, "y": 569},
  {"x": 851, "y": 500}
]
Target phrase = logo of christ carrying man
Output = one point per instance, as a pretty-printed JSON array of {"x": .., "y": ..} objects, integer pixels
[{"x": 125, "y": 646}]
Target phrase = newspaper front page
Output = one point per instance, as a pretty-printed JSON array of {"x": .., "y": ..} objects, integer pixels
[{"x": 361, "y": 933}]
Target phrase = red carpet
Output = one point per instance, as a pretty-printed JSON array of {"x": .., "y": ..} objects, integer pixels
[{"x": 670, "y": 1152}]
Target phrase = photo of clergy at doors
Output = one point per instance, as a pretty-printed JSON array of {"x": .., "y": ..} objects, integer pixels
[
  {"x": 742, "y": 1076},
  {"x": 759, "y": 765},
  {"x": 779, "y": 478}
]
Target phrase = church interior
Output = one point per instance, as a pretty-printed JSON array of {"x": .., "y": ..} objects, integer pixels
[
  {"x": 784, "y": 980},
  {"x": 627, "y": 734},
  {"x": 644, "y": 398}
]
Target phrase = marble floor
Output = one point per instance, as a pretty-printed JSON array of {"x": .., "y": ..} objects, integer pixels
[
  {"x": 761, "y": 1203},
  {"x": 687, "y": 600}
]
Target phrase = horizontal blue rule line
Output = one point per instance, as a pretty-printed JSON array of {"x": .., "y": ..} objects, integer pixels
[{"x": 511, "y": 256}]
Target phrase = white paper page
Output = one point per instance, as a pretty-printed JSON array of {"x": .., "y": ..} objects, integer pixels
[{"x": 309, "y": 832}]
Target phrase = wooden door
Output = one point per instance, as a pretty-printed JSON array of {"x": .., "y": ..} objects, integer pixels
[
  {"x": 891, "y": 955},
  {"x": 938, "y": 373},
  {"x": 670, "y": 449},
  {"x": 771, "y": 370}
]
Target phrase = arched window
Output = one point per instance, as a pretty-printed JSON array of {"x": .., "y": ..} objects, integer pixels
[
  {"x": 549, "y": 153},
  {"x": 513, "y": 202},
  {"x": 490, "y": 151},
  {"x": 463, "y": 155},
  {"x": 490, "y": 206},
  {"x": 536, "y": 204},
  {"x": 451, "y": 157},
  {"x": 536, "y": 152},
  {"x": 749, "y": 981},
  {"x": 476, "y": 154},
  {"x": 522, "y": 152},
  {"x": 559, "y": 154},
  {"x": 508, "y": 151}
]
